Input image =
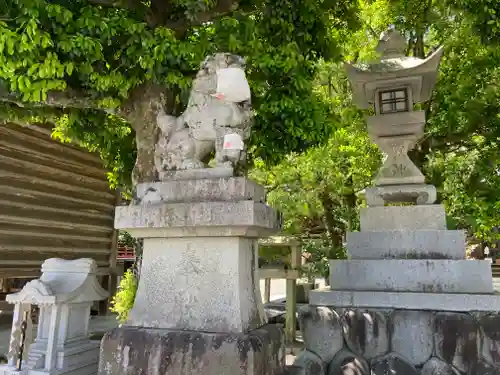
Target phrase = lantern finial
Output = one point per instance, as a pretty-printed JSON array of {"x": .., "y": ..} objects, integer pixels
[{"x": 391, "y": 44}]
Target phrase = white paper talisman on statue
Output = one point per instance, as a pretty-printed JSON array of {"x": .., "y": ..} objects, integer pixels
[
  {"x": 233, "y": 142},
  {"x": 232, "y": 85}
]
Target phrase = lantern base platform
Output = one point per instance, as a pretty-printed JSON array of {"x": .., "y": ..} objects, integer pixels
[
  {"x": 419, "y": 194},
  {"x": 134, "y": 350},
  {"x": 406, "y": 300}
]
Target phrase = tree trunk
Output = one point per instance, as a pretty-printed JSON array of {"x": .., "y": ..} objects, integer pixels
[
  {"x": 349, "y": 201},
  {"x": 418, "y": 47},
  {"x": 141, "y": 110},
  {"x": 332, "y": 224}
]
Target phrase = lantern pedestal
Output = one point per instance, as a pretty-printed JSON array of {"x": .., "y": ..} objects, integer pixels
[
  {"x": 131, "y": 350},
  {"x": 407, "y": 302},
  {"x": 198, "y": 308},
  {"x": 419, "y": 194}
]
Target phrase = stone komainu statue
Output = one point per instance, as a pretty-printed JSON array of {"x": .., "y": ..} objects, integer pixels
[{"x": 218, "y": 119}]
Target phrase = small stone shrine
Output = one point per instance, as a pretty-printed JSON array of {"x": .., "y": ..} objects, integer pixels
[
  {"x": 407, "y": 301},
  {"x": 64, "y": 294},
  {"x": 198, "y": 309}
]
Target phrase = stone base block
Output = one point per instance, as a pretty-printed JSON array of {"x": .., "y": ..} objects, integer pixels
[
  {"x": 401, "y": 342},
  {"x": 211, "y": 219},
  {"x": 196, "y": 174},
  {"x": 406, "y": 300},
  {"x": 205, "y": 190},
  {"x": 419, "y": 194},
  {"x": 131, "y": 351},
  {"x": 198, "y": 283},
  {"x": 407, "y": 244},
  {"x": 426, "y": 217},
  {"x": 412, "y": 275}
]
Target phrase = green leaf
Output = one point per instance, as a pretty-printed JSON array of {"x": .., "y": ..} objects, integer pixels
[{"x": 69, "y": 68}]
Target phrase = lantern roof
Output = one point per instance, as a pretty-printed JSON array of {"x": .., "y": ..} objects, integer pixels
[{"x": 394, "y": 68}]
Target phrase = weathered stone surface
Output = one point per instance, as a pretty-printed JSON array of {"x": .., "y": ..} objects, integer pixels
[
  {"x": 397, "y": 168},
  {"x": 347, "y": 363},
  {"x": 198, "y": 283},
  {"x": 216, "y": 219},
  {"x": 435, "y": 366},
  {"x": 198, "y": 266},
  {"x": 196, "y": 173},
  {"x": 405, "y": 300},
  {"x": 456, "y": 340},
  {"x": 412, "y": 275},
  {"x": 131, "y": 351},
  {"x": 426, "y": 217},
  {"x": 392, "y": 364},
  {"x": 490, "y": 325},
  {"x": 482, "y": 368},
  {"x": 200, "y": 190},
  {"x": 412, "y": 335},
  {"x": 365, "y": 332},
  {"x": 322, "y": 331},
  {"x": 407, "y": 244},
  {"x": 308, "y": 363}
]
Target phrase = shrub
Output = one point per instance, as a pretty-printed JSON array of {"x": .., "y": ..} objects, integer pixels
[{"x": 124, "y": 299}]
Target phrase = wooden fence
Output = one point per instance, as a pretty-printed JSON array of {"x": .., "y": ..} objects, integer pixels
[
  {"x": 495, "y": 270},
  {"x": 54, "y": 202}
]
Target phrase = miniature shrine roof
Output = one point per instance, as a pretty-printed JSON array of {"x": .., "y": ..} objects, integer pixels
[{"x": 62, "y": 281}]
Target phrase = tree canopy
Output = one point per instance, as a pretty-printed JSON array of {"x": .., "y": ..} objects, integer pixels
[
  {"x": 100, "y": 70},
  {"x": 97, "y": 68},
  {"x": 458, "y": 154}
]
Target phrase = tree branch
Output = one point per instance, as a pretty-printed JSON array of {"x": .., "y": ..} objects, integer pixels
[
  {"x": 68, "y": 98},
  {"x": 159, "y": 12},
  {"x": 222, "y": 7}
]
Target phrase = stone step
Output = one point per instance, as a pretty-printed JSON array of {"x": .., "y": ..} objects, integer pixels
[
  {"x": 406, "y": 300},
  {"x": 412, "y": 275},
  {"x": 425, "y": 217},
  {"x": 407, "y": 244}
]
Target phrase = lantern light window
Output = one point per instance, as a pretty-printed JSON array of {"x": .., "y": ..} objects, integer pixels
[{"x": 392, "y": 101}]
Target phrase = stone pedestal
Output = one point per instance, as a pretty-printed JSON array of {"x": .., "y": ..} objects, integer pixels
[
  {"x": 406, "y": 302},
  {"x": 198, "y": 308},
  {"x": 133, "y": 350}
]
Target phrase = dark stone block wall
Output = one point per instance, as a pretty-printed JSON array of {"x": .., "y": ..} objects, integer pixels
[{"x": 348, "y": 341}]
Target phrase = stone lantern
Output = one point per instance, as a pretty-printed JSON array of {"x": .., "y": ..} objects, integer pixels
[
  {"x": 393, "y": 87},
  {"x": 406, "y": 302}
]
